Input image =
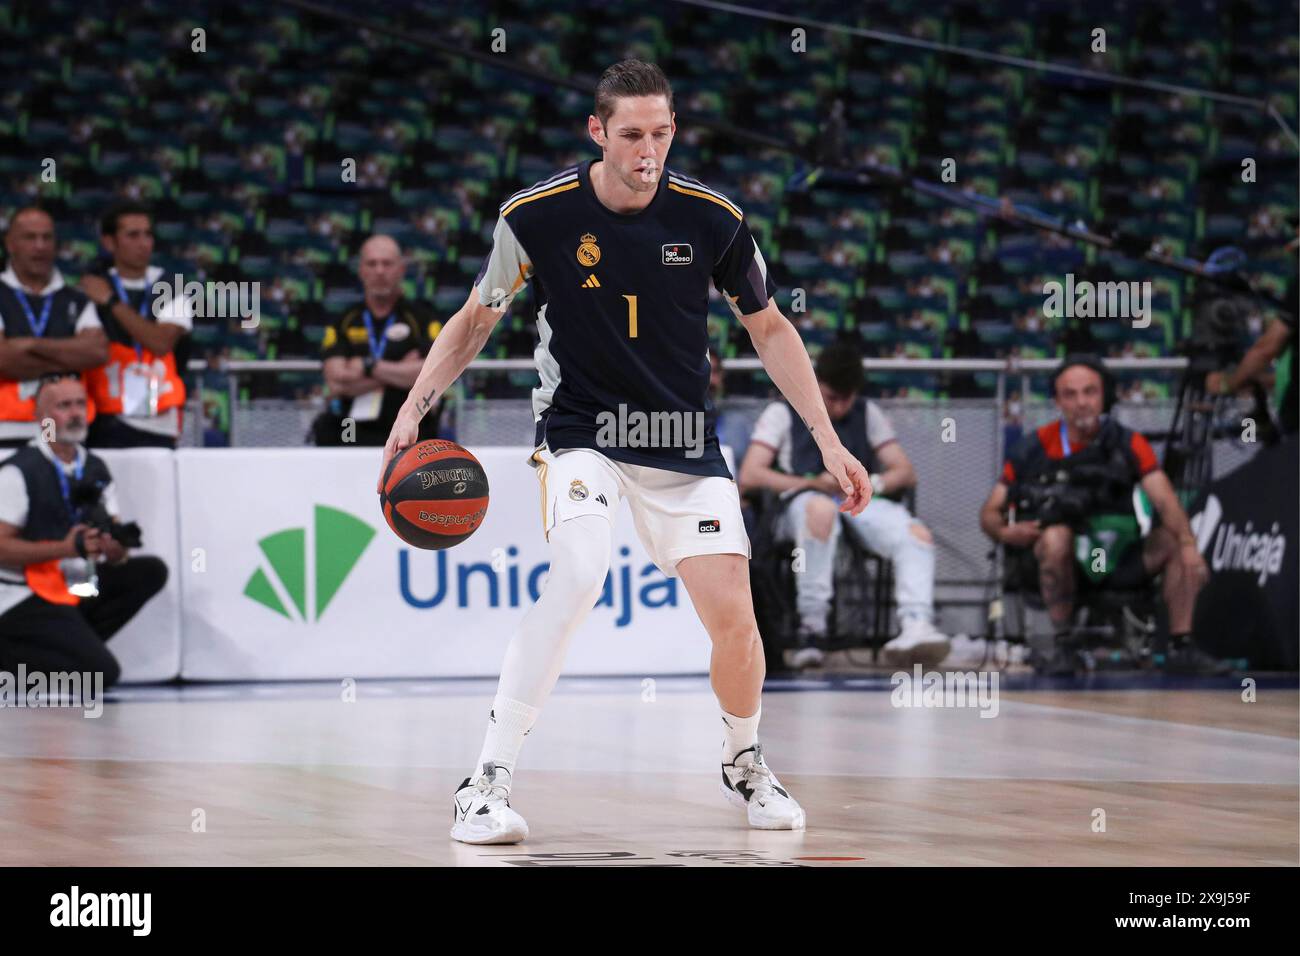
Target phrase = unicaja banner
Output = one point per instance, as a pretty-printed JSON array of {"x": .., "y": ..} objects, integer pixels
[
  {"x": 1246, "y": 528},
  {"x": 291, "y": 572}
]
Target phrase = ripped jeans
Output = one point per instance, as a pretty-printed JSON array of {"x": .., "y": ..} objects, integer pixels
[{"x": 884, "y": 527}]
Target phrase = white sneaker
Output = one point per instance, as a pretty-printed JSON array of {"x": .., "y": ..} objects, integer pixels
[
  {"x": 967, "y": 651},
  {"x": 917, "y": 643},
  {"x": 970, "y": 651},
  {"x": 807, "y": 651},
  {"x": 797, "y": 658},
  {"x": 482, "y": 812},
  {"x": 748, "y": 782}
]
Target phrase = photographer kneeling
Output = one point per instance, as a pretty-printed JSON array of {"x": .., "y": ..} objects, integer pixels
[
  {"x": 66, "y": 582},
  {"x": 1079, "y": 475}
]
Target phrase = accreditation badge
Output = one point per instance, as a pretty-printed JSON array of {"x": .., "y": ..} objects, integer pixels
[
  {"x": 79, "y": 573},
  {"x": 365, "y": 408},
  {"x": 140, "y": 386},
  {"x": 28, "y": 389}
]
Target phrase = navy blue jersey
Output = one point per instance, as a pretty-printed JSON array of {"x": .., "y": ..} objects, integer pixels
[{"x": 622, "y": 308}]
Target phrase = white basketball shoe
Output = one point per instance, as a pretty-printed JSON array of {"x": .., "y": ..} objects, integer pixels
[
  {"x": 917, "y": 643},
  {"x": 748, "y": 782},
  {"x": 482, "y": 812}
]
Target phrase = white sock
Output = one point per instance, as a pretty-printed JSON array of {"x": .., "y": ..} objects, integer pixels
[
  {"x": 509, "y": 722},
  {"x": 580, "y": 549},
  {"x": 741, "y": 733}
]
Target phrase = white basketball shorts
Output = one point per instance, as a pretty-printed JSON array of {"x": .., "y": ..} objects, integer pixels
[{"x": 676, "y": 515}]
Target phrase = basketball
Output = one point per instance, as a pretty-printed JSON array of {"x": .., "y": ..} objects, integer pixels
[{"x": 435, "y": 494}]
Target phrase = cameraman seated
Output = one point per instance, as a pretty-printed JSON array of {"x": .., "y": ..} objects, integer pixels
[
  {"x": 1066, "y": 479},
  {"x": 66, "y": 583},
  {"x": 810, "y": 501}
]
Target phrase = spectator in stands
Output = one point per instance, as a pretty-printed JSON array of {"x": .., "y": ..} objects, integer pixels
[
  {"x": 139, "y": 393},
  {"x": 65, "y": 587},
  {"x": 374, "y": 353},
  {"x": 810, "y": 499},
  {"x": 45, "y": 325},
  {"x": 1117, "y": 459}
]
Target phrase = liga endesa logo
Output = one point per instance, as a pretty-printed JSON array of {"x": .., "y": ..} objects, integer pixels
[{"x": 339, "y": 539}]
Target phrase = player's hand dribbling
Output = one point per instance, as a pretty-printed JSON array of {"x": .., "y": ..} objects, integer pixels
[
  {"x": 406, "y": 429},
  {"x": 855, "y": 483}
]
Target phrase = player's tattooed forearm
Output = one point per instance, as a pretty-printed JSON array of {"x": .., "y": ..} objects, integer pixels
[{"x": 426, "y": 403}]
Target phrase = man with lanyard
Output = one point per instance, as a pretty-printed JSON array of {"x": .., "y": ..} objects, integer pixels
[
  {"x": 1084, "y": 392},
  {"x": 374, "y": 353},
  {"x": 138, "y": 393},
  {"x": 45, "y": 325},
  {"x": 65, "y": 587}
]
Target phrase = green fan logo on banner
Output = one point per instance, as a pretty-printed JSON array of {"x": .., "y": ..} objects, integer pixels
[{"x": 338, "y": 541}]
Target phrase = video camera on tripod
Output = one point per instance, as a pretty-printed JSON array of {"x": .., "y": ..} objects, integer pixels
[{"x": 1218, "y": 339}]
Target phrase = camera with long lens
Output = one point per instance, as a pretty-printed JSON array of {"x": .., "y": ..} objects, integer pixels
[
  {"x": 88, "y": 497},
  {"x": 1069, "y": 494}
]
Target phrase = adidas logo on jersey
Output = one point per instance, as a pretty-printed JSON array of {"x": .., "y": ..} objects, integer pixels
[{"x": 592, "y": 282}]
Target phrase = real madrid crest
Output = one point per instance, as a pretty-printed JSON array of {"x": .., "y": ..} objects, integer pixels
[
  {"x": 588, "y": 252},
  {"x": 577, "y": 490}
]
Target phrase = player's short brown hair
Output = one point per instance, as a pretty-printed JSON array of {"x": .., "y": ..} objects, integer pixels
[{"x": 629, "y": 78}]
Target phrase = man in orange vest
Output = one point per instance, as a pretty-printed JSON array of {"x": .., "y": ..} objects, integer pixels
[
  {"x": 66, "y": 586},
  {"x": 45, "y": 325},
  {"x": 138, "y": 394}
]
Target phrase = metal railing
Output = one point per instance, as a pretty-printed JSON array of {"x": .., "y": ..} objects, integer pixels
[{"x": 1005, "y": 369}]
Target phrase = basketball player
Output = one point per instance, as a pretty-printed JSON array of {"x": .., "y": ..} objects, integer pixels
[{"x": 621, "y": 252}]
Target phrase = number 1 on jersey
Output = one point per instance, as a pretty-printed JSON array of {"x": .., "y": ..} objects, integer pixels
[{"x": 631, "y": 316}]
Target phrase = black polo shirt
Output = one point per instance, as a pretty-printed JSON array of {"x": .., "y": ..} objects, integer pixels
[{"x": 410, "y": 327}]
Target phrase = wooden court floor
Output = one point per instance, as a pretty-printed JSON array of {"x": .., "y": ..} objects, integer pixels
[{"x": 613, "y": 775}]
